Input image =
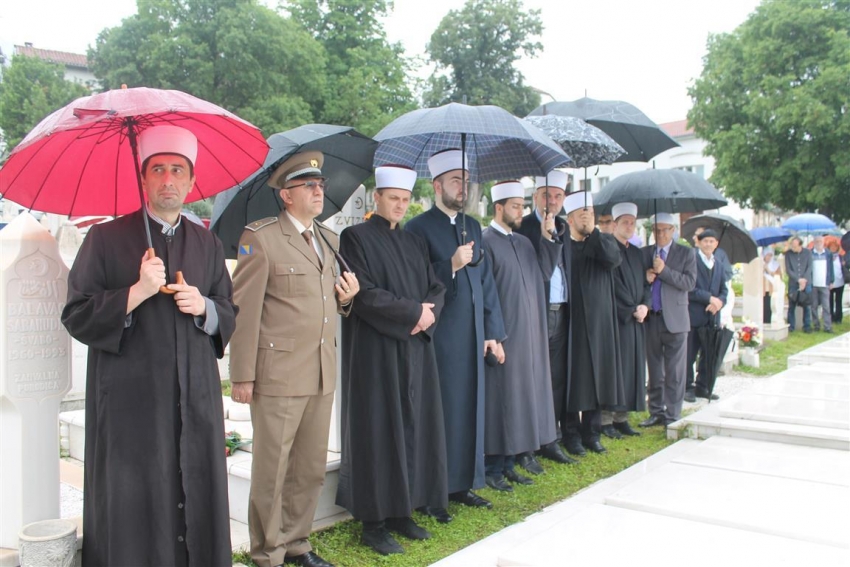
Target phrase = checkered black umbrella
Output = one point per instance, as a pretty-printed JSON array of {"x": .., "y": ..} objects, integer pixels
[
  {"x": 586, "y": 144},
  {"x": 499, "y": 145}
]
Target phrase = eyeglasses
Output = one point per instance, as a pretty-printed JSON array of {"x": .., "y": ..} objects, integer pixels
[
  {"x": 664, "y": 229},
  {"x": 310, "y": 185}
]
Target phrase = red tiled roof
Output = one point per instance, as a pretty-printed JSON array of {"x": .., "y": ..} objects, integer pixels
[
  {"x": 677, "y": 129},
  {"x": 61, "y": 57}
]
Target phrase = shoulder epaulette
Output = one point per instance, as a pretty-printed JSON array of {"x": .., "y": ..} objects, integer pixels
[{"x": 258, "y": 224}]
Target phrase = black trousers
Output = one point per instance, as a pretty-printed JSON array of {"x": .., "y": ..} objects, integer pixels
[
  {"x": 558, "y": 323},
  {"x": 586, "y": 424},
  {"x": 836, "y": 296}
]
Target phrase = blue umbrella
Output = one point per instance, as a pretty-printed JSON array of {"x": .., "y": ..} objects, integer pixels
[
  {"x": 766, "y": 235},
  {"x": 809, "y": 222}
]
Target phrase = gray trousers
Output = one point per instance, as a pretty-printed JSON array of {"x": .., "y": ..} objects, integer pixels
[
  {"x": 820, "y": 298},
  {"x": 611, "y": 417},
  {"x": 666, "y": 359}
]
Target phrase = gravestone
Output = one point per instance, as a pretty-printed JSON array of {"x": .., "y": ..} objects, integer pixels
[
  {"x": 35, "y": 374},
  {"x": 754, "y": 291}
]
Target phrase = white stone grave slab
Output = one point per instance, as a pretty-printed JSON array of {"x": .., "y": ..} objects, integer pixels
[
  {"x": 35, "y": 374},
  {"x": 628, "y": 537},
  {"x": 745, "y": 501},
  {"x": 828, "y": 466},
  {"x": 804, "y": 389},
  {"x": 785, "y": 409}
]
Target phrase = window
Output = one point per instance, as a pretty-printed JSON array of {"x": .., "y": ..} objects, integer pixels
[
  {"x": 697, "y": 169},
  {"x": 603, "y": 181}
]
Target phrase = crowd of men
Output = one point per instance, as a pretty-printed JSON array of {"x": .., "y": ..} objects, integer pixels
[{"x": 467, "y": 355}]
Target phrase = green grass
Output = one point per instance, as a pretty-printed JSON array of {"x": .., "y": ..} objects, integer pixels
[
  {"x": 341, "y": 545},
  {"x": 773, "y": 358}
]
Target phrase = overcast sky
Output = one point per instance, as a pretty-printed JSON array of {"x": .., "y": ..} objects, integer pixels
[{"x": 643, "y": 52}]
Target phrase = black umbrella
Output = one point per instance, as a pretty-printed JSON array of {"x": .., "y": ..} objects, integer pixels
[
  {"x": 632, "y": 129},
  {"x": 732, "y": 236},
  {"x": 660, "y": 191},
  {"x": 845, "y": 241},
  {"x": 715, "y": 342},
  {"x": 348, "y": 162}
]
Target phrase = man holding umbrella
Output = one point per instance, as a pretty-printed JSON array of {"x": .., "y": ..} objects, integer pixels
[
  {"x": 283, "y": 359},
  {"x": 152, "y": 361},
  {"x": 470, "y": 326}
]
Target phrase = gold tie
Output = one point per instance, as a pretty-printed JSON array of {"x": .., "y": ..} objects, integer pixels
[{"x": 308, "y": 237}]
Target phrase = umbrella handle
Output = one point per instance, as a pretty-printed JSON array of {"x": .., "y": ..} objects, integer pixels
[{"x": 179, "y": 275}]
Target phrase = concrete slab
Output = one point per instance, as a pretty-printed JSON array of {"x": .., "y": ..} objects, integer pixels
[
  {"x": 829, "y": 413},
  {"x": 790, "y": 386},
  {"x": 794, "y": 509}
]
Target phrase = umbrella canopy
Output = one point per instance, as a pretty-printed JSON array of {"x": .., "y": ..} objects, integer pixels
[
  {"x": 659, "y": 190},
  {"x": 732, "y": 236},
  {"x": 586, "y": 145},
  {"x": 715, "y": 342},
  {"x": 499, "y": 145},
  {"x": 642, "y": 138},
  {"x": 809, "y": 222},
  {"x": 766, "y": 235},
  {"x": 348, "y": 162},
  {"x": 79, "y": 161},
  {"x": 845, "y": 241}
]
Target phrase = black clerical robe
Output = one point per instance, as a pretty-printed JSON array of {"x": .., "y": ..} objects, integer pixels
[
  {"x": 155, "y": 475},
  {"x": 470, "y": 315},
  {"x": 393, "y": 441},
  {"x": 595, "y": 380},
  {"x": 518, "y": 405},
  {"x": 631, "y": 290}
]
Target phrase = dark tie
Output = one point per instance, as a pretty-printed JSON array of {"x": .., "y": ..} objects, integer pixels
[
  {"x": 308, "y": 237},
  {"x": 656, "y": 287}
]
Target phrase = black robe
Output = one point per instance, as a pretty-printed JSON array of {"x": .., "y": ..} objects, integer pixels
[
  {"x": 155, "y": 475},
  {"x": 518, "y": 405},
  {"x": 595, "y": 380},
  {"x": 471, "y": 314},
  {"x": 631, "y": 290},
  {"x": 393, "y": 441}
]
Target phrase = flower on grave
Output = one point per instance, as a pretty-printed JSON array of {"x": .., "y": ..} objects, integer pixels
[
  {"x": 233, "y": 440},
  {"x": 749, "y": 335}
]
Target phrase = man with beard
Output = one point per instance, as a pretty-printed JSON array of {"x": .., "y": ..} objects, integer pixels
[
  {"x": 633, "y": 297},
  {"x": 595, "y": 378},
  {"x": 671, "y": 272},
  {"x": 470, "y": 326},
  {"x": 393, "y": 442},
  {"x": 549, "y": 202},
  {"x": 518, "y": 407}
]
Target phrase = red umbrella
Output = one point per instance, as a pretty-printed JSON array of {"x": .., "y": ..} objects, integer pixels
[{"x": 83, "y": 158}]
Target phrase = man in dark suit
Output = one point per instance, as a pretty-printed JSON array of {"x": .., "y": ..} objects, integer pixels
[
  {"x": 548, "y": 204},
  {"x": 283, "y": 359},
  {"x": 704, "y": 304},
  {"x": 672, "y": 272}
]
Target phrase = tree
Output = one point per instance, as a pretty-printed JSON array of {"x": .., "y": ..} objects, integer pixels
[
  {"x": 235, "y": 53},
  {"x": 772, "y": 103},
  {"x": 368, "y": 77},
  {"x": 475, "y": 50},
  {"x": 30, "y": 90}
]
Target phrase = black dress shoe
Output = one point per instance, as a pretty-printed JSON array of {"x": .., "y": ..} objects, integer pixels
[
  {"x": 439, "y": 514},
  {"x": 624, "y": 428},
  {"x": 381, "y": 541},
  {"x": 308, "y": 559},
  {"x": 469, "y": 498},
  {"x": 553, "y": 452},
  {"x": 408, "y": 528},
  {"x": 700, "y": 393},
  {"x": 529, "y": 463},
  {"x": 690, "y": 397},
  {"x": 573, "y": 446},
  {"x": 517, "y": 478},
  {"x": 652, "y": 421},
  {"x": 594, "y": 445},
  {"x": 498, "y": 483},
  {"x": 609, "y": 431}
]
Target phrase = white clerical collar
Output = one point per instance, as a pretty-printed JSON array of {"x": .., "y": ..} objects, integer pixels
[
  {"x": 708, "y": 261},
  {"x": 496, "y": 226},
  {"x": 167, "y": 229},
  {"x": 297, "y": 224}
]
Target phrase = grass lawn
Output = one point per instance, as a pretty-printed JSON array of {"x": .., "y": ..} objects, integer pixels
[{"x": 341, "y": 546}]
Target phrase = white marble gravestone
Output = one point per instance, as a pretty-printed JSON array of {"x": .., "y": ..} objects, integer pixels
[
  {"x": 35, "y": 374},
  {"x": 754, "y": 291}
]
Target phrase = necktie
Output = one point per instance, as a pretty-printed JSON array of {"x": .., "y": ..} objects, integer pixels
[
  {"x": 656, "y": 287},
  {"x": 308, "y": 237}
]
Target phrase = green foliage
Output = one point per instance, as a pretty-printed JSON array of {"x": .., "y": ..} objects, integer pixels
[
  {"x": 30, "y": 90},
  {"x": 367, "y": 83},
  {"x": 235, "y": 53},
  {"x": 475, "y": 49},
  {"x": 202, "y": 208},
  {"x": 415, "y": 209},
  {"x": 772, "y": 104}
]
